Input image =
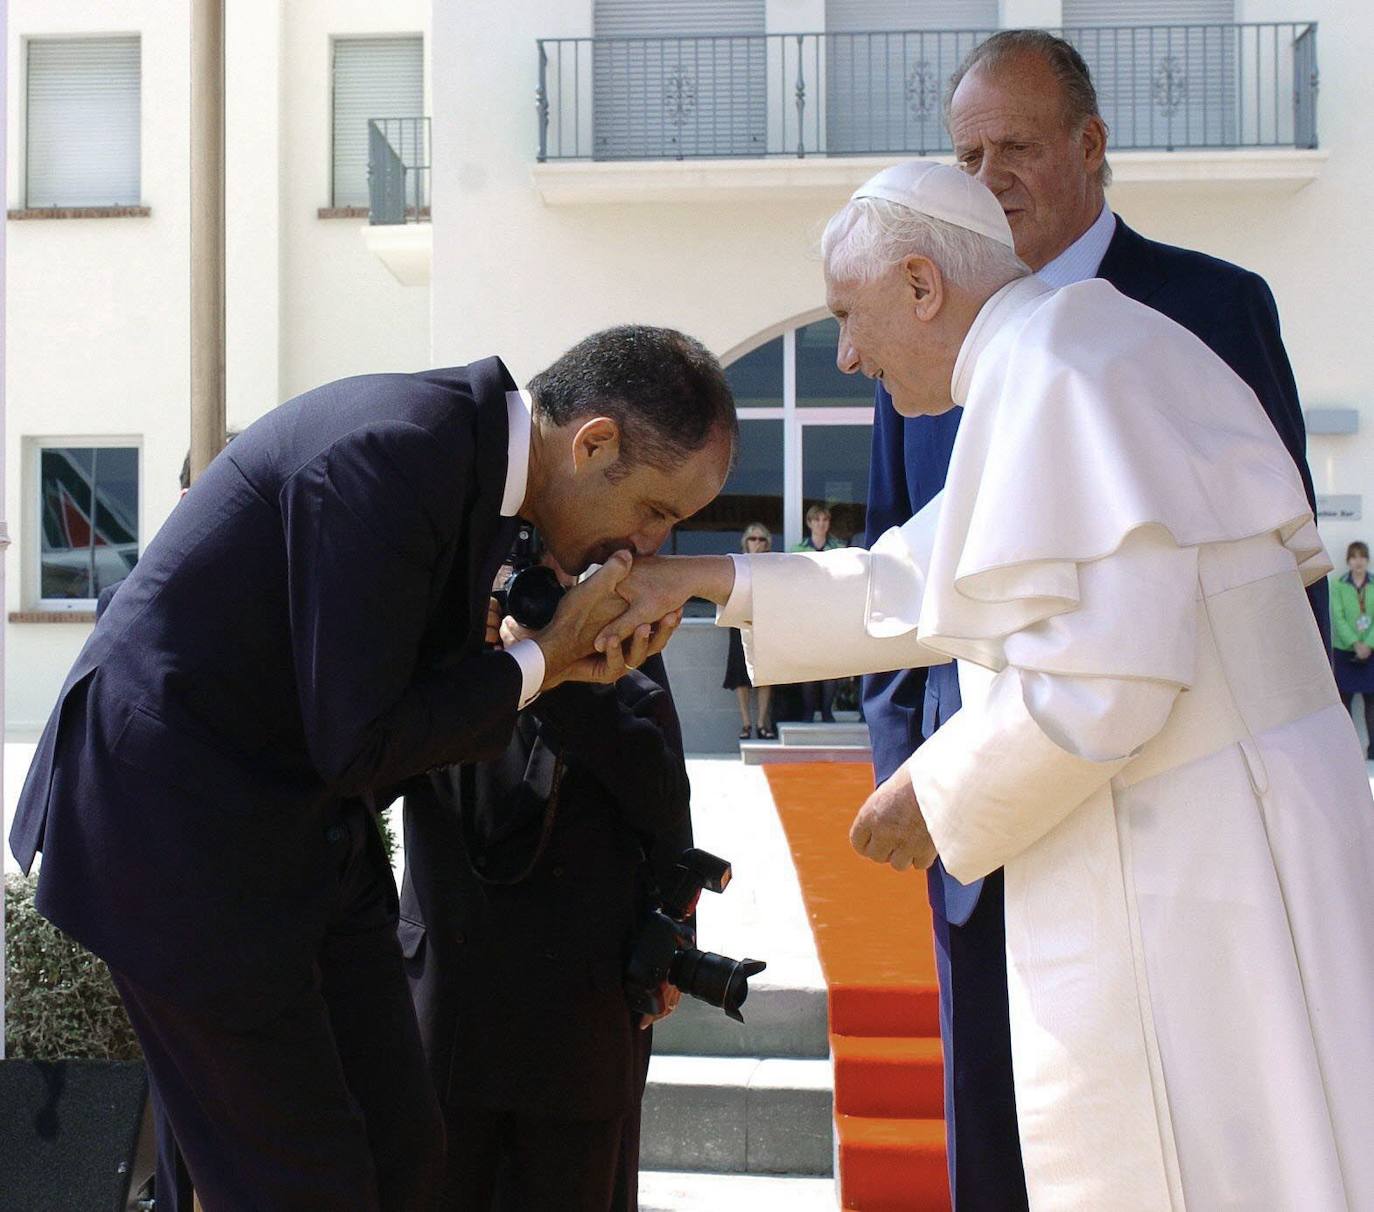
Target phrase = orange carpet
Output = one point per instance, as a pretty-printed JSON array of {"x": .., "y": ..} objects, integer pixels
[{"x": 873, "y": 934}]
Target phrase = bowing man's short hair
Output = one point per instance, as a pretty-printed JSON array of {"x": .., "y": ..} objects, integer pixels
[{"x": 666, "y": 392}]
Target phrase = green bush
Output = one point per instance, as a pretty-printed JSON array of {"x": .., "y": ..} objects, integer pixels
[
  {"x": 388, "y": 834},
  {"x": 59, "y": 999}
]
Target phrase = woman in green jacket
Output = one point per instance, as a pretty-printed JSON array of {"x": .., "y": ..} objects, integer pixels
[{"x": 1352, "y": 635}]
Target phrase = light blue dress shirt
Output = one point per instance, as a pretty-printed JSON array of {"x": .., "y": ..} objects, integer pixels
[{"x": 1080, "y": 260}]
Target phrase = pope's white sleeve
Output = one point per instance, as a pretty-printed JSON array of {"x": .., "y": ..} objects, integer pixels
[
  {"x": 739, "y": 606},
  {"x": 1003, "y": 772},
  {"x": 807, "y": 616}
]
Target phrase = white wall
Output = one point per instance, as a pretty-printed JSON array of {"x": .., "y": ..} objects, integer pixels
[
  {"x": 525, "y": 280},
  {"x": 514, "y": 277},
  {"x": 98, "y": 320},
  {"x": 97, "y": 316},
  {"x": 342, "y": 311}
]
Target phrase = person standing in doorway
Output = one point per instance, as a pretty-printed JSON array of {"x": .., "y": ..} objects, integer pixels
[
  {"x": 818, "y": 538},
  {"x": 1352, "y": 635},
  {"x": 755, "y": 540}
]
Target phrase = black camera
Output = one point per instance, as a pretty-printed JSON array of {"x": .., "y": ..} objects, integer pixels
[
  {"x": 664, "y": 950},
  {"x": 531, "y": 593}
]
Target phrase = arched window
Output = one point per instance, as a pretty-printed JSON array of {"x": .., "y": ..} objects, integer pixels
[{"x": 805, "y": 434}]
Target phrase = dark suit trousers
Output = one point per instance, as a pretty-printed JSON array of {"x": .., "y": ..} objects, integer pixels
[
  {"x": 985, "y": 1170},
  {"x": 501, "y": 1161},
  {"x": 327, "y": 1105}
]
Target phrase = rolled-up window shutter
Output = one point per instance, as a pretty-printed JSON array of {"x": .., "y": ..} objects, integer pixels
[
  {"x": 82, "y": 144},
  {"x": 679, "y": 78},
  {"x": 373, "y": 78},
  {"x": 887, "y": 65},
  {"x": 1165, "y": 70}
]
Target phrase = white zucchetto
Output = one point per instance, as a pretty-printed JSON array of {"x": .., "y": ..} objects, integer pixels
[{"x": 942, "y": 192}]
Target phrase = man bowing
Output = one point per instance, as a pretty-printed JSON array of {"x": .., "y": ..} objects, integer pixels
[
  {"x": 1185, "y": 833},
  {"x": 304, "y": 631}
]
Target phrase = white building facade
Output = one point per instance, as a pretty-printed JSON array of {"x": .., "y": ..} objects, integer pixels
[
  {"x": 98, "y": 270},
  {"x": 1212, "y": 108},
  {"x": 677, "y": 170}
]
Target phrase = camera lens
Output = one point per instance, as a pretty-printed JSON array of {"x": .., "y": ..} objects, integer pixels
[
  {"x": 532, "y": 596},
  {"x": 715, "y": 979}
]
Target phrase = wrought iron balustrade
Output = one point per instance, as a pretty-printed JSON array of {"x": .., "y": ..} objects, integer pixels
[
  {"x": 398, "y": 167},
  {"x": 1165, "y": 87}
]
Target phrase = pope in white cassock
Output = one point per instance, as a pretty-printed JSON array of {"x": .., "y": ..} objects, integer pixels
[{"x": 1151, "y": 742}]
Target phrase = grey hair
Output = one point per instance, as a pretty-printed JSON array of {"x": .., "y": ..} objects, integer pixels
[
  {"x": 1070, "y": 71},
  {"x": 868, "y": 236}
]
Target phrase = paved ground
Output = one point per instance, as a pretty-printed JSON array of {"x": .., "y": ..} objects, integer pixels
[{"x": 667, "y": 1192}]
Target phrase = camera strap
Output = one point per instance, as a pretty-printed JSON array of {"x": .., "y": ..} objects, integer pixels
[{"x": 472, "y": 845}]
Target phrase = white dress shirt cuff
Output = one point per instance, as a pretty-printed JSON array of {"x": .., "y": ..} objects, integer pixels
[
  {"x": 738, "y": 610},
  {"x": 530, "y": 657}
]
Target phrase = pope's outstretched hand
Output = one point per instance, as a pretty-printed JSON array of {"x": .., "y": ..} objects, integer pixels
[
  {"x": 889, "y": 828},
  {"x": 567, "y": 642},
  {"x": 658, "y": 586}
]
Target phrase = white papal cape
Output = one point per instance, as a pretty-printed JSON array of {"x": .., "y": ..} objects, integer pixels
[{"x": 1151, "y": 744}]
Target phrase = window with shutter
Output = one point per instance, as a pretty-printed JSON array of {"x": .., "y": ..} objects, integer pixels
[
  {"x": 887, "y": 65},
  {"x": 1165, "y": 70},
  {"x": 679, "y": 78},
  {"x": 82, "y": 122},
  {"x": 373, "y": 78}
]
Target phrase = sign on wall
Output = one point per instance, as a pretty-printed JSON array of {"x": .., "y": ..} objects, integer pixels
[{"x": 1340, "y": 507}]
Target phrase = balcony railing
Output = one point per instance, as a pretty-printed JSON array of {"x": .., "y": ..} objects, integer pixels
[
  {"x": 1162, "y": 87},
  {"x": 398, "y": 166}
]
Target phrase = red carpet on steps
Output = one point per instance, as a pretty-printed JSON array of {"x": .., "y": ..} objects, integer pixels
[{"x": 873, "y": 933}]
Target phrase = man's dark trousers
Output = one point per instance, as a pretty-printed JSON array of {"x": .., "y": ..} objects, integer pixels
[
  {"x": 351, "y": 1121},
  {"x": 1231, "y": 310},
  {"x": 306, "y": 627}
]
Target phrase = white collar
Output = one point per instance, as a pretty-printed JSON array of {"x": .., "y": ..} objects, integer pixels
[
  {"x": 1080, "y": 261},
  {"x": 518, "y": 425},
  {"x": 999, "y": 308}
]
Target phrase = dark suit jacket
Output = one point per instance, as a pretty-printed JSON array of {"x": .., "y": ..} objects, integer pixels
[
  {"x": 1229, "y": 308},
  {"x": 306, "y": 626},
  {"x": 518, "y": 985}
]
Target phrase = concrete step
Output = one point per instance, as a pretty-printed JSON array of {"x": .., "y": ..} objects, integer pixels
[
  {"x": 841, "y": 732},
  {"x": 676, "y": 1191},
  {"x": 761, "y": 753},
  {"x": 889, "y": 1077},
  {"x": 778, "y": 1021},
  {"x": 738, "y": 1115}
]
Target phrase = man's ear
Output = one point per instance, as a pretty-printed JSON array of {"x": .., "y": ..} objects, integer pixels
[
  {"x": 596, "y": 444},
  {"x": 926, "y": 285},
  {"x": 1094, "y": 143}
]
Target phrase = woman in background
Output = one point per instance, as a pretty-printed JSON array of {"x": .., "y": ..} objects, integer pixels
[
  {"x": 1352, "y": 621},
  {"x": 755, "y": 539},
  {"x": 818, "y": 538}
]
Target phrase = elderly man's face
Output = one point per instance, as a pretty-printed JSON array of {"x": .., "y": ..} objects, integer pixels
[
  {"x": 882, "y": 337},
  {"x": 1008, "y": 125}
]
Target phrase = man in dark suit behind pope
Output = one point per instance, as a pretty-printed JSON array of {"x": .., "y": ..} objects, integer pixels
[
  {"x": 1023, "y": 117},
  {"x": 306, "y": 629}
]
